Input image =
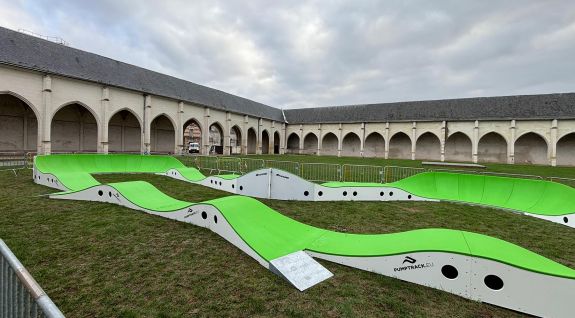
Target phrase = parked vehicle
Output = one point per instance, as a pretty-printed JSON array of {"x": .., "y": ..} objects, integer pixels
[{"x": 194, "y": 147}]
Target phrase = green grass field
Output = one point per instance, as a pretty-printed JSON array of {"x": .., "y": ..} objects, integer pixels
[{"x": 101, "y": 260}]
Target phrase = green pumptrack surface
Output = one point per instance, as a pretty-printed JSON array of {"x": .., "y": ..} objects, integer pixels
[
  {"x": 272, "y": 235},
  {"x": 525, "y": 195}
]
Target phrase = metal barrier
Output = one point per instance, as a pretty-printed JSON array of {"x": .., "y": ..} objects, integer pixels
[
  {"x": 229, "y": 164},
  {"x": 20, "y": 294},
  {"x": 251, "y": 165},
  {"x": 289, "y": 166},
  {"x": 512, "y": 175},
  {"x": 362, "y": 173},
  {"x": 320, "y": 171},
  {"x": 13, "y": 161},
  {"x": 395, "y": 173},
  {"x": 207, "y": 163},
  {"x": 565, "y": 181}
]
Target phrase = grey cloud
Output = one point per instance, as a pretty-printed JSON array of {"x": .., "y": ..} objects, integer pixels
[{"x": 313, "y": 53}]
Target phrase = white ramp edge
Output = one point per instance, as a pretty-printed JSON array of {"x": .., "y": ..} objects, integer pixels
[{"x": 300, "y": 269}]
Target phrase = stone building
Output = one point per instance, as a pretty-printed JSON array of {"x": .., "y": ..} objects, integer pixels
[{"x": 54, "y": 98}]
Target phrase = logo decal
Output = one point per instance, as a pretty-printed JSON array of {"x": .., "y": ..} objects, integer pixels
[{"x": 412, "y": 265}]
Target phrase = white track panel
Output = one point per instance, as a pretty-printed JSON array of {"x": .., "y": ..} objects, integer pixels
[{"x": 522, "y": 290}]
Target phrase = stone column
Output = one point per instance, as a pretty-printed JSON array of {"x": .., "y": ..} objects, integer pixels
[
  {"x": 340, "y": 140},
  {"x": 259, "y": 137},
  {"x": 301, "y": 149},
  {"x": 319, "y": 139},
  {"x": 283, "y": 140},
  {"x": 475, "y": 142},
  {"x": 105, "y": 105},
  {"x": 244, "y": 141},
  {"x": 206, "y": 135},
  {"x": 226, "y": 132},
  {"x": 44, "y": 125},
  {"x": 362, "y": 139},
  {"x": 271, "y": 135},
  {"x": 442, "y": 139},
  {"x": 413, "y": 140},
  {"x": 553, "y": 143},
  {"x": 180, "y": 129},
  {"x": 147, "y": 123},
  {"x": 511, "y": 143},
  {"x": 386, "y": 141}
]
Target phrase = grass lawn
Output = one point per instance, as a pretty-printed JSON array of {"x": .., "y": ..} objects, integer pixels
[{"x": 101, "y": 260}]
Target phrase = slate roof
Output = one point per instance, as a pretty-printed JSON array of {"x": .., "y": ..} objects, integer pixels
[
  {"x": 33, "y": 53},
  {"x": 547, "y": 106},
  {"x": 21, "y": 50}
]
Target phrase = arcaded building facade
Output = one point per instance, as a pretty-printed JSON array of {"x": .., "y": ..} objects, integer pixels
[{"x": 55, "y": 98}]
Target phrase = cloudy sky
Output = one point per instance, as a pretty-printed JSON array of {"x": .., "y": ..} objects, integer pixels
[{"x": 294, "y": 54}]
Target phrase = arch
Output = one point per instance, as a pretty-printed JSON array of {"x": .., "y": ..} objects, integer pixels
[
  {"x": 235, "y": 140},
  {"x": 162, "y": 134},
  {"x": 374, "y": 145},
  {"x": 74, "y": 128},
  {"x": 531, "y": 148},
  {"x": 351, "y": 145},
  {"x": 277, "y": 142},
  {"x": 492, "y": 147},
  {"x": 216, "y": 138},
  {"x": 124, "y": 132},
  {"x": 329, "y": 144},
  {"x": 252, "y": 141},
  {"x": 18, "y": 124},
  {"x": 192, "y": 133},
  {"x": 566, "y": 150},
  {"x": 24, "y": 100},
  {"x": 400, "y": 146},
  {"x": 85, "y": 106},
  {"x": 428, "y": 146},
  {"x": 265, "y": 142},
  {"x": 292, "y": 145},
  {"x": 310, "y": 144},
  {"x": 458, "y": 147}
]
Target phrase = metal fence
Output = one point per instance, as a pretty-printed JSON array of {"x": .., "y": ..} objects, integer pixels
[
  {"x": 320, "y": 171},
  {"x": 395, "y": 173},
  {"x": 20, "y": 294},
  {"x": 289, "y": 166},
  {"x": 229, "y": 165},
  {"x": 249, "y": 165},
  {"x": 362, "y": 173},
  {"x": 13, "y": 161}
]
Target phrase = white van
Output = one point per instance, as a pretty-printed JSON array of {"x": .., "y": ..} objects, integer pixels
[{"x": 194, "y": 147}]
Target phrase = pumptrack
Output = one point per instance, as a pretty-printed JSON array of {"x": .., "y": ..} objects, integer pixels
[{"x": 471, "y": 265}]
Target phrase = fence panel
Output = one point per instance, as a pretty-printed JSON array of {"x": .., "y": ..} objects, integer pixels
[
  {"x": 362, "y": 173},
  {"x": 565, "y": 181},
  {"x": 320, "y": 171},
  {"x": 229, "y": 165},
  {"x": 513, "y": 175},
  {"x": 248, "y": 165},
  {"x": 289, "y": 166},
  {"x": 20, "y": 294},
  {"x": 394, "y": 173},
  {"x": 13, "y": 161},
  {"x": 206, "y": 163}
]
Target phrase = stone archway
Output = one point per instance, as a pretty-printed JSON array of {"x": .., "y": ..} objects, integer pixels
[
  {"x": 492, "y": 147},
  {"x": 162, "y": 135},
  {"x": 310, "y": 144},
  {"x": 374, "y": 145},
  {"x": 18, "y": 125},
  {"x": 124, "y": 132},
  {"x": 458, "y": 147},
  {"x": 531, "y": 148},
  {"x": 428, "y": 147},
  {"x": 74, "y": 129},
  {"x": 400, "y": 146}
]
